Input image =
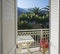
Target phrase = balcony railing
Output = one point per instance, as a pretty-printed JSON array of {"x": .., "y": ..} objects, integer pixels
[{"x": 37, "y": 34}]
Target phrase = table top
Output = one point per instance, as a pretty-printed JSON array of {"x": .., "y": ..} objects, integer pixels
[{"x": 24, "y": 39}]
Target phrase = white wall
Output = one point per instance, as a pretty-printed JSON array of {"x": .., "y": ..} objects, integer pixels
[
  {"x": 8, "y": 26},
  {"x": 0, "y": 26},
  {"x": 54, "y": 30}
]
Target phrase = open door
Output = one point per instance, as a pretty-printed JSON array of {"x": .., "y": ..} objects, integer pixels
[{"x": 8, "y": 26}]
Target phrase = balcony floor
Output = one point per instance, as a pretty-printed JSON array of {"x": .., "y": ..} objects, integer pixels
[{"x": 33, "y": 51}]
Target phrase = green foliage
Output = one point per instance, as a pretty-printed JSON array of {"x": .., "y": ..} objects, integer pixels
[
  {"x": 36, "y": 15},
  {"x": 24, "y": 25}
]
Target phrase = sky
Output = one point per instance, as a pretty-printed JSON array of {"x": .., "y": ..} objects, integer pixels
[{"x": 32, "y": 3}]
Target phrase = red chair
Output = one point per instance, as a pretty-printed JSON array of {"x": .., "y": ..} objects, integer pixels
[{"x": 44, "y": 45}]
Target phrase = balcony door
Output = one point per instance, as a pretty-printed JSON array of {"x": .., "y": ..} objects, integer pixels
[{"x": 8, "y": 26}]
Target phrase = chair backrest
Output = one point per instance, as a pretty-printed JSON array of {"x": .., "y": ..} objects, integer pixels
[{"x": 44, "y": 43}]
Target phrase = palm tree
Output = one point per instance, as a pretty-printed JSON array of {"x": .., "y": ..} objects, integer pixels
[
  {"x": 45, "y": 11},
  {"x": 46, "y": 14},
  {"x": 35, "y": 10}
]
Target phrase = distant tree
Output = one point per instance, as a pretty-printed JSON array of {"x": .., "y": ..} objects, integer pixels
[
  {"x": 35, "y": 10},
  {"x": 45, "y": 11}
]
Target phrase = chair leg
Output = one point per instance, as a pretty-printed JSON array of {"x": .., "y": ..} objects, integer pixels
[
  {"x": 42, "y": 50},
  {"x": 20, "y": 48},
  {"x": 27, "y": 47}
]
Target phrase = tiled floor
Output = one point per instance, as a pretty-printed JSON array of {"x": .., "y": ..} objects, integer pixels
[
  {"x": 33, "y": 51},
  {"x": 36, "y": 52}
]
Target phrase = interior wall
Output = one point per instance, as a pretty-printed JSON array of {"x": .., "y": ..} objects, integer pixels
[
  {"x": 0, "y": 26},
  {"x": 8, "y": 26}
]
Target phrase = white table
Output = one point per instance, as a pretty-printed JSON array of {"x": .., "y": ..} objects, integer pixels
[{"x": 24, "y": 41}]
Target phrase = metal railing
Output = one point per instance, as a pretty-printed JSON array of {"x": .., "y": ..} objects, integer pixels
[{"x": 37, "y": 34}]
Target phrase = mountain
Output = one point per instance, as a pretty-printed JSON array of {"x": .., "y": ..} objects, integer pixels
[{"x": 21, "y": 10}]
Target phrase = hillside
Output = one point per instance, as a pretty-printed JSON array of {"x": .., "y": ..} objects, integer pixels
[{"x": 21, "y": 10}]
